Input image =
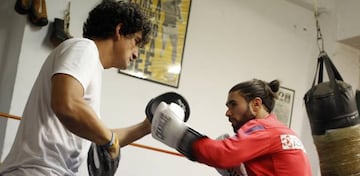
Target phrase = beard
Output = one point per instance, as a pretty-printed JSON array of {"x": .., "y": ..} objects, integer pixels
[{"x": 247, "y": 116}]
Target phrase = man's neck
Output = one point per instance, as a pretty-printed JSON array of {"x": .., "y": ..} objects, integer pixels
[
  {"x": 262, "y": 114},
  {"x": 105, "y": 51}
]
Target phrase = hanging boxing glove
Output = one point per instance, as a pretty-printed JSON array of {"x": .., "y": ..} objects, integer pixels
[
  {"x": 38, "y": 13},
  {"x": 58, "y": 34},
  {"x": 23, "y": 6}
]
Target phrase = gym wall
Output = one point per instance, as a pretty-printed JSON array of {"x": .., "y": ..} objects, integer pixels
[{"x": 227, "y": 42}]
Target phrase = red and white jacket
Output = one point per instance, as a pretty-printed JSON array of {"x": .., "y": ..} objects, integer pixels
[{"x": 265, "y": 146}]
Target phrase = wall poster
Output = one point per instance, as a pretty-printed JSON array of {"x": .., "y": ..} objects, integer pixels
[
  {"x": 284, "y": 105},
  {"x": 160, "y": 61}
]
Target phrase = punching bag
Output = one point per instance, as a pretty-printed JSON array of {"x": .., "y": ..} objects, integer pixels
[{"x": 332, "y": 111}]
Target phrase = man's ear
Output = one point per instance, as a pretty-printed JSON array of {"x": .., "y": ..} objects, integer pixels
[
  {"x": 117, "y": 33},
  {"x": 257, "y": 104}
]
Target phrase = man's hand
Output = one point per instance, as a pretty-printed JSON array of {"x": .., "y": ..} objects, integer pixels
[
  {"x": 168, "y": 97},
  {"x": 103, "y": 160}
]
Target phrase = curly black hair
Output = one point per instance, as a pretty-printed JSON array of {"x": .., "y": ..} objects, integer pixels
[{"x": 104, "y": 18}]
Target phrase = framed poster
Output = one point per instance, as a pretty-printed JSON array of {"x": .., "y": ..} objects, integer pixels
[
  {"x": 160, "y": 61},
  {"x": 284, "y": 105}
]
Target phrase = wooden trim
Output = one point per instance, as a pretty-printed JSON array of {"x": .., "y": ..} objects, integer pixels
[{"x": 10, "y": 116}]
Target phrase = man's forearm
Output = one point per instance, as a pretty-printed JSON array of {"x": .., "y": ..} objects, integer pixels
[
  {"x": 132, "y": 133},
  {"x": 83, "y": 122}
]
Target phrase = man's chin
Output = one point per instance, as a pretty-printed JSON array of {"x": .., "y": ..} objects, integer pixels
[{"x": 235, "y": 128}]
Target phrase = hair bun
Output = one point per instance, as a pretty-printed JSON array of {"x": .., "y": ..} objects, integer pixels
[{"x": 274, "y": 85}]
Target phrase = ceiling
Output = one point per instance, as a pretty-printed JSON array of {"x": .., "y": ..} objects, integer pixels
[{"x": 322, "y": 5}]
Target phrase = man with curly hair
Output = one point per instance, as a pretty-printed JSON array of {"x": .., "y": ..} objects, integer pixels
[{"x": 62, "y": 114}]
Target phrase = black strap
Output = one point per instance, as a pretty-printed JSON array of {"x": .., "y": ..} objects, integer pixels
[
  {"x": 336, "y": 72},
  {"x": 319, "y": 70},
  {"x": 332, "y": 72}
]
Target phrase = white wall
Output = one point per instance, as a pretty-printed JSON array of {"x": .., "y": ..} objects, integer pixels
[
  {"x": 11, "y": 32},
  {"x": 347, "y": 13},
  {"x": 227, "y": 42}
]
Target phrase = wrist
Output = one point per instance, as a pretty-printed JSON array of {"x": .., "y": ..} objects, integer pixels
[
  {"x": 146, "y": 126},
  {"x": 111, "y": 142}
]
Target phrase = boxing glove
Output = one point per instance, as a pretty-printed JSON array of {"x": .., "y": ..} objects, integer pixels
[
  {"x": 236, "y": 171},
  {"x": 168, "y": 97},
  {"x": 169, "y": 128}
]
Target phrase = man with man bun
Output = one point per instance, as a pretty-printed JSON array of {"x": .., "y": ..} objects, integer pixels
[{"x": 261, "y": 142}]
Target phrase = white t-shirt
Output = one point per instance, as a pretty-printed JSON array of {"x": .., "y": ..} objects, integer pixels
[{"x": 43, "y": 146}]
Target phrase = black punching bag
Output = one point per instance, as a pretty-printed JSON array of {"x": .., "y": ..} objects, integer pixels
[{"x": 332, "y": 111}]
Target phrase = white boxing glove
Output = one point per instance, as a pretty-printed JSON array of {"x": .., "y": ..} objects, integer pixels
[
  {"x": 236, "y": 171},
  {"x": 168, "y": 127}
]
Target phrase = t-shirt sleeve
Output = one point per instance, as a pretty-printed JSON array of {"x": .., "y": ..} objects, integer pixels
[
  {"x": 233, "y": 151},
  {"x": 79, "y": 60}
]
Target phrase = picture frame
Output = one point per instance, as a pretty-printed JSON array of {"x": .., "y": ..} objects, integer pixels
[
  {"x": 284, "y": 105},
  {"x": 160, "y": 61}
]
